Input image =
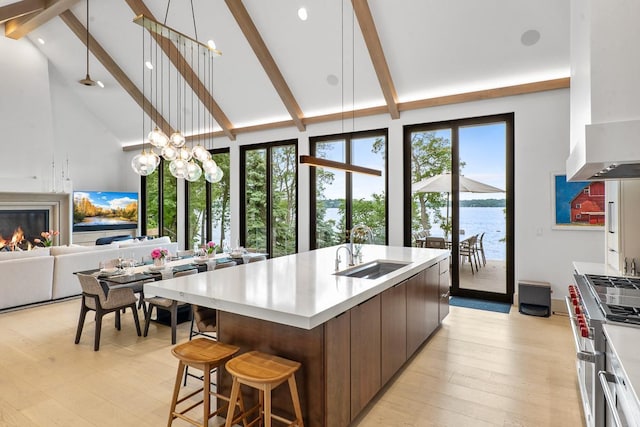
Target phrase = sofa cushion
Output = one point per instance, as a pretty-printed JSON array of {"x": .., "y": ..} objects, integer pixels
[
  {"x": 25, "y": 281},
  {"x": 158, "y": 242},
  {"x": 74, "y": 249},
  {"x": 36, "y": 252}
]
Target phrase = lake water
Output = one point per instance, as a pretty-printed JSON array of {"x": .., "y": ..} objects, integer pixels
[{"x": 491, "y": 221}]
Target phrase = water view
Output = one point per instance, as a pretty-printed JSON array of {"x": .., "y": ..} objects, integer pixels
[{"x": 473, "y": 220}]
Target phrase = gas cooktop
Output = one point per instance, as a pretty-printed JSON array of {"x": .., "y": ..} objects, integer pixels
[{"x": 619, "y": 297}]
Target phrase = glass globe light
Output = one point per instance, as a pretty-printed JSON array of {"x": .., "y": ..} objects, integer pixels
[
  {"x": 169, "y": 152},
  {"x": 178, "y": 168},
  {"x": 209, "y": 165},
  {"x": 155, "y": 157},
  {"x": 200, "y": 153},
  {"x": 144, "y": 163},
  {"x": 215, "y": 176},
  {"x": 158, "y": 138},
  {"x": 177, "y": 139},
  {"x": 193, "y": 172},
  {"x": 185, "y": 154}
]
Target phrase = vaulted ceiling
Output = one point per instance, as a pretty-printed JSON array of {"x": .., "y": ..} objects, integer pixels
[{"x": 276, "y": 70}]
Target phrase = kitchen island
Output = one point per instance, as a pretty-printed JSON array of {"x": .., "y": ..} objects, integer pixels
[{"x": 350, "y": 334}]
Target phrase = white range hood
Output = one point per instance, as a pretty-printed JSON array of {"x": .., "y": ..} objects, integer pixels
[
  {"x": 605, "y": 90},
  {"x": 610, "y": 151}
]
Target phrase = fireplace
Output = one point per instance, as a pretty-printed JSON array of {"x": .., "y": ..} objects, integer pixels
[
  {"x": 26, "y": 223},
  {"x": 34, "y": 213}
]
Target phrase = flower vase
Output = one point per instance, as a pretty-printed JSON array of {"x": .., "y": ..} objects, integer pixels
[{"x": 158, "y": 262}]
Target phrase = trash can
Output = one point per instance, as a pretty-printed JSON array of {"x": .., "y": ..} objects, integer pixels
[{"x": 534, "y": 298}]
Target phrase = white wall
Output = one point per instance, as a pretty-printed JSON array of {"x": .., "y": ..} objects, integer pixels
[{"x": 41, "y": 118}]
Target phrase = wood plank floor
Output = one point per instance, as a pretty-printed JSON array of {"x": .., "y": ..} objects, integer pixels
[{"x": 479, "y": 369}]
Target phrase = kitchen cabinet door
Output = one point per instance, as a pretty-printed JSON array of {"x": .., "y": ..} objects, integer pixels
[
  {"x": 443, "y": 292},
  {"x": 394, "y": 330},
  {"x": 432, "y": 299},
  {"x": 622, "y": 227},
  {"x": 365, "y": 353},
  {"x": 416, "y": 312}
]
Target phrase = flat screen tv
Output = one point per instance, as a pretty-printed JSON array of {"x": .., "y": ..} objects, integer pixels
[{"x": 104, "y": 210}]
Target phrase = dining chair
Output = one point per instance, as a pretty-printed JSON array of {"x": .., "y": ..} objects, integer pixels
[
  {"x": 103, "y": 301},
  {"x": 480, "y": 249},
  {"x": 435, "y": 243},
  {"x": 468, "y": 252},
  {"x": 171, "y": 305}
]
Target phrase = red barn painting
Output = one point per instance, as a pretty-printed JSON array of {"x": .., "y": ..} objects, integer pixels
[{"x": 587, "y": 207}]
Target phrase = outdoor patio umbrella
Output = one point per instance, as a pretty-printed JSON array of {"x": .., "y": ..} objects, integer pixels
[{"x": 442, "y": 184}]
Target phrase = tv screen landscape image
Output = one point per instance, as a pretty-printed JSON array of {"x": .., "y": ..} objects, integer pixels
[{"x": 104, "y": 210}]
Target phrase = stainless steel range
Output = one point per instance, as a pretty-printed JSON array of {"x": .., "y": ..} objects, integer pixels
[{"x": 593, "y": 301}]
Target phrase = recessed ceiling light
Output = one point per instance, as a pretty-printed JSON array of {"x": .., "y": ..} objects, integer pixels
[
  {"x": 211, "y": 44},
  {"x": 100, "y": 84},
  {"x": 149, "y": 65},
  {"x": 302, "y": 14},
  {"x": 530, "y": 37},
  {"x": 40, "y": 40},
  {"x": 332, "y": 79}
]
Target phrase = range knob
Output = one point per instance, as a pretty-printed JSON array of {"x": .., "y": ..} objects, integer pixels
[
  {"x": 577, "y": 309},
  {"x": 584, "y": 331}
]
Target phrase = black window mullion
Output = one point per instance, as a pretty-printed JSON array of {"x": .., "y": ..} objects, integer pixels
[{"x": 268, "y": 190}]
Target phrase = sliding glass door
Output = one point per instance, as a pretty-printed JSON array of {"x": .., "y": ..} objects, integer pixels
[{"x": 458, "y": 192}]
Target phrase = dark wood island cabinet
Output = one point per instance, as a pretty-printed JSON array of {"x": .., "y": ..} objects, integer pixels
[{"x": 351, "y": 335}]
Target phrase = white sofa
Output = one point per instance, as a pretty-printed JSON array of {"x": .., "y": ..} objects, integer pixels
[
  {"x": 26, "y": 277},
  {"x": 47, "y": 273}
]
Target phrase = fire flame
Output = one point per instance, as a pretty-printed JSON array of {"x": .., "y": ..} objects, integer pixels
[{"x": 14, "y": 244}]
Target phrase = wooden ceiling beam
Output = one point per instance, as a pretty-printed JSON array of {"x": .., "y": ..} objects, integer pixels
[
  {"x": 105, "y": 59},
  {"x": 20, "y": 9},
  {"x": 139, "y": 8},
  {"x": 259, "y": 47},
  {"x": 20, "y": 27},
  {"x": 370, "y": 34}
]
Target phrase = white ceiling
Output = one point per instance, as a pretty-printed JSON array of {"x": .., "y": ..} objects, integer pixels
[{"x": 432, "y": 47}]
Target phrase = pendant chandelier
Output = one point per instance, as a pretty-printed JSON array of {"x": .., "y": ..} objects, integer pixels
[{"x": 174, "y": 88}]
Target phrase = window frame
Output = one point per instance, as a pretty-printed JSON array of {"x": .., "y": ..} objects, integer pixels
[
  {"x": 268, "y": 181},
  {"x": 347, "y": 137},
  {"x": 208, "y": 224}
]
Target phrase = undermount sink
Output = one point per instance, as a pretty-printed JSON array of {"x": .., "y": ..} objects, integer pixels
[{"x": 373, "y": 269}]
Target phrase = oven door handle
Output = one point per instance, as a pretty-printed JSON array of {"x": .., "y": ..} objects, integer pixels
[
  {"x": 605, "y": 379},
  {"x": 580, "y": 354}
]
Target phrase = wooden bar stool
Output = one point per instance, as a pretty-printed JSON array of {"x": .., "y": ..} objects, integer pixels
[
  {"x": 203, "y": 354},
  {"x": 264, "y": 372}
]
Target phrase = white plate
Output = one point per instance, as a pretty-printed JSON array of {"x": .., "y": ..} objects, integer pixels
[
  {"x": 109, "y": 271},
  {"x": 202, "y": 260},
  {"x": 156, "y": 268}
]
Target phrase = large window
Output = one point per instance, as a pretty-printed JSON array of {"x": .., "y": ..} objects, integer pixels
[
  {"x": 159, "y": 204},
  {"x": 341, "y": 200},
  {"x": 207, "y": 207},
  {"x": 269, "y": 198}
]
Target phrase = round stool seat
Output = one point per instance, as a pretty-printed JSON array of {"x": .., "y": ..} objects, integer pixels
[
  {"x": 259, "y": 367},
  {"x": 203, "y": 350}
]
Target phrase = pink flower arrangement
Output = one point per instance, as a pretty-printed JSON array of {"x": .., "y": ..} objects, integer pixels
[
  {"x": 211, "y": 247},
  {"x": 159, "y": 253},
  {"x": 47, "y": 237}
]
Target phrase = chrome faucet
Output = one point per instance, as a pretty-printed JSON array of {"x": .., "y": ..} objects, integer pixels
[{"x": 349, "y": 260}]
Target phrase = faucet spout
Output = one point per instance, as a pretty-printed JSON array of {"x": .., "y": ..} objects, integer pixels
[{"x": 349, "y": 252}]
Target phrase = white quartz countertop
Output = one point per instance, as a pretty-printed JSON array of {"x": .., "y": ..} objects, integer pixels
[
  {"x": 299, "y": 290},
  {"x": 624, "y": 341},
  {"x": 595, "y": 268}
]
